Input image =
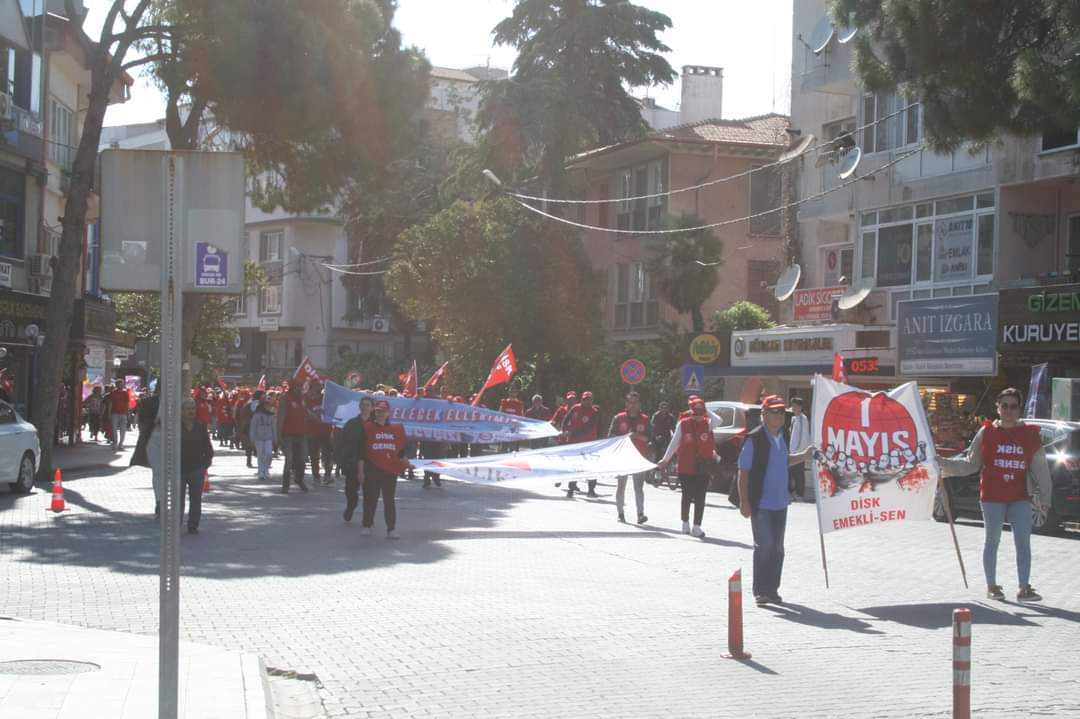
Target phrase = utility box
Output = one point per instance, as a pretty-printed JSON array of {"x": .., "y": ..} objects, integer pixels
[
  {"x": 1066, "y": 399},
  {"x": 196, "y": 196}
]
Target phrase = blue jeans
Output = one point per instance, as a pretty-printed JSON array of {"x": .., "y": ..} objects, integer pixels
[
  {"x": 1018, "y": 514},
  {"x": 768, "y": 526}
]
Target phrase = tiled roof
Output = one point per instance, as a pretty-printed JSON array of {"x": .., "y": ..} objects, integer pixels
[
  {"x": 449, "y": 73},
  {"x": 770, "y": 129}
]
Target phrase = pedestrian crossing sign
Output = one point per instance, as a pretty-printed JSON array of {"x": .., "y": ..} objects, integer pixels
[{"x": 693, "y": 378}]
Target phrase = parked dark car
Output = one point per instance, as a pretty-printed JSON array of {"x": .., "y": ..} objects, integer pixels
[{"x": 1062, "y": 443}]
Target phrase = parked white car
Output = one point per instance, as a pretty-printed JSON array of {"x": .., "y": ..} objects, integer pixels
[{"x": 19, "y": 450}]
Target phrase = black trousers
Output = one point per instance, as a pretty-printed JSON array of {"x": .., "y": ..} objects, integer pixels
[
  {"x": 352, "y": 488},
  {"x": 321, "y": 445},
  {"x": 694, "y": 487},
  {"x": 191, "y": 484},
  {"x": 375, "y": 482},
  {"x": 294, "y": 446}
]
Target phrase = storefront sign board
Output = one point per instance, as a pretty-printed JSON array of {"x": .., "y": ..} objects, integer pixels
[{"x": 948, "y": 336}]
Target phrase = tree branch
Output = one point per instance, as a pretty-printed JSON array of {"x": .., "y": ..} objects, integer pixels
[{"x": 146, "y": 60}]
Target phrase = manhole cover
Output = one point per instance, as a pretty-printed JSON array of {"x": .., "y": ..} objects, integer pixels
[{"x": 47, "y": 666}]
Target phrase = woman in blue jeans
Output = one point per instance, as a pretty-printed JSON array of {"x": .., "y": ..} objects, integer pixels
[{"x": 1013, "y": 474}]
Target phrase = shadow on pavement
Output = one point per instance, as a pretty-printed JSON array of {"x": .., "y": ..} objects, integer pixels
[
  {"x": 250, "y": 529},
  {"x": 822, "y": 620},
  {"x": 939, "y": 615}
]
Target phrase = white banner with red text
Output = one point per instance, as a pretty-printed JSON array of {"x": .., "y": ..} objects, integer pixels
[
  {"x": 610, "y": 457},
  {"x": 875, "y": 462}
]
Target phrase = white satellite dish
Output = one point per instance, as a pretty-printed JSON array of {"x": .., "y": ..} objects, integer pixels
[
  {"x": 849, "y": 162},
  {"x": 845, "y": 33},
  {"x": 789, "y": 280},
  {"x": 797, "y": 150},
  {"x": 822, "y": 35},
  {"x": 855, "y": 296}
]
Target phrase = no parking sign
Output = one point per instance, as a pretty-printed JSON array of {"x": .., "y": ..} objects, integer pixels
[{"x": 632, "y": 371}]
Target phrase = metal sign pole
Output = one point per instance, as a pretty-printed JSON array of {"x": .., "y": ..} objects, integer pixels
[{"x": 171, "y": 395}]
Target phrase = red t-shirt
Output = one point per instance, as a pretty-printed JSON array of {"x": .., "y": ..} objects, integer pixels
[
  {"x": 560, "y": 415},
  {"x": 636, "y": 426},
  {"x": 581, "y": 423},
  {"x": 119, "y": 402},
  {"x": 1006, "y": 459},
  {"x": 202, "y": 411},
  {"x": 510, "y": 405},
  {"x": 316, "y": 427},
  {"x": 223, "y": 411},
  {"x": 295, "y": 415},
  {"x": 695, "y": 440},
  {"x": 384, "y": 443}
]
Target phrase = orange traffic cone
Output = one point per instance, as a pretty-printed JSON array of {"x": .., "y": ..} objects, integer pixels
[
  {"x": 206, "y": 481},
  {"x": 58, "y": 504}
]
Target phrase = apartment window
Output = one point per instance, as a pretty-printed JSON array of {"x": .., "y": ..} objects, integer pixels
[
  {"x": 238, "y": 305},
  {"x": 61, "y": 134},
  {"x": 641, "y": 214},
  {"x": 1072, "y": 250},
  {"x": 270, "y": 246},
  {"x": 12, "y": 189},
  {"x": 1060, "y": 139},
  {"x": 890, "y": 121},
  {"x": 284, "y": 352},
  {"x": 765, "y": 193},
  {"x": 837, "y": 264},
  {"x": 270, "y": 300},
  {"x": 945, "y": 243},
  {"x": 636, "y": 305}
]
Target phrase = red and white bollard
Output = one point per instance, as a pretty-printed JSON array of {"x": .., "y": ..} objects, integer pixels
[
  {"x": 961, "y": 664},
  {"x": 734, "y": 616}
]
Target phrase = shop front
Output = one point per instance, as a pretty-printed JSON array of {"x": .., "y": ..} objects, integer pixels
[
  {"x": 22, "y": 330},
  {"x": 1039, "y": 325}
]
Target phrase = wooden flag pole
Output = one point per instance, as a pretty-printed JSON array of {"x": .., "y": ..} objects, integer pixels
[
  {"x": 824, "y": 561},
  {"x": 952, "y": 528}
]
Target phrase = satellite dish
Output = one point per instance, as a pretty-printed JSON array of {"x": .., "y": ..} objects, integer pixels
[
  {"x": 845, "y": 33},
  {"x": 849, "y": 162},
  {"x": 789, "y": 280},
  {"x": 822, "y": 35},
  {"x": 855, "y": 296},
  {"x": 797, "y": 150}
]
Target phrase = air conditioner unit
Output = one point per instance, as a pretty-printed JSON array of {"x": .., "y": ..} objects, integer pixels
[
  {"x": 41, "y": 286},
  {"x": 40, "y": 265},
  {"x": 7, "y": 107},
  {"x": 380, "y": 324}
]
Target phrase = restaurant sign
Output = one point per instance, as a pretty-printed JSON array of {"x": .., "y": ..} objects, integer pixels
[{"x": 948, "y": 336}]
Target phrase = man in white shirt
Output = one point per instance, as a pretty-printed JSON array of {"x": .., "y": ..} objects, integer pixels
[{"x": 800, "y": 440}]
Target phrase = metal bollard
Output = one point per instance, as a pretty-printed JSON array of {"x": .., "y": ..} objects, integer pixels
[
  {"x": 961, "y": 664},
  {"x": 735, "y": 625}
]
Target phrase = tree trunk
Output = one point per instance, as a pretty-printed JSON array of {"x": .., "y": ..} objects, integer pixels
[
  {"x": 69, "y": 265},
  {"x": 697, "y": 321}
]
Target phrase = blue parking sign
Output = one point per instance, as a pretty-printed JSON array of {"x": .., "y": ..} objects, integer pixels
[{"x": 693, "y": 378}]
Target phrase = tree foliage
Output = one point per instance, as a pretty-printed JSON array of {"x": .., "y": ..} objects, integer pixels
[
  {"x": 683, "y": 265},
  {"x": 980, "y": 68},
  {"x": 742, "y": 316},
  {"x": 484, "y": 274},
  {"x": 576, "y": 61}
]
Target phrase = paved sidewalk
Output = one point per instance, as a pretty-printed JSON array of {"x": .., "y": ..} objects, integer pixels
[
  {"x": 117, "y": 676},
  {"x": 90, "y": 456}
]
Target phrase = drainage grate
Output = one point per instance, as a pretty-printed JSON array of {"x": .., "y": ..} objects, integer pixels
[{"x": 37, "y": 667}]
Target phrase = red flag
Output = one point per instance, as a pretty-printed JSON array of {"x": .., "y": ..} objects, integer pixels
[
  {"x": 838, "y": 374},
  {"x": 436, "y": 377},
  {"x": 306, "y": 372},
  {"x": 262, "y": 384},
  {"x": 408, "y": 381},
  {"x": 502, "y": 371}
]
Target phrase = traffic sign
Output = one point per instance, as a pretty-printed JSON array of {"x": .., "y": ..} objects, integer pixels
[
  {"x": 632, "y": 371},
  {"x": 693, "y": 378}
]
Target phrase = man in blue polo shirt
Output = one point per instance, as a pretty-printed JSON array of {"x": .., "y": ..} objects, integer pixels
[{"x": 764, "y": 495}]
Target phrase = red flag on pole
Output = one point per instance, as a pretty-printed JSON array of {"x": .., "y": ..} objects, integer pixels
[
  {"x": 838, "y": 374},
  {"x": 502, "y": 371},
  {"x": 306, "y": 372},
  {"x": 436, "y": 377},
  {"x": 262, "y": 384},
  {"x": 408, "y": 381}
]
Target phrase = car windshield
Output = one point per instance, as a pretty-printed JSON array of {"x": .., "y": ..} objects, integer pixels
[{"x": 753, "y": 417}]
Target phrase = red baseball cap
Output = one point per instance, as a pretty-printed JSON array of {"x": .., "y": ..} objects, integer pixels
[
  {"x": 586, "y": 394},
  {"x": 773, "y": 401},
  {"x": 697, "y": 402},
  {"x": 571, "y": 395},
  {"x": 382, "y": 404}
]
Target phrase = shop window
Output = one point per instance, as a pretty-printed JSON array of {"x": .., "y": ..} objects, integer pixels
[
  {"x": 985, "y": 259},
  {"x": 924, "y": 252},
  {"x": 12, "y": 203},
  {"x": 765, "y": 195},
  {"x": 953, "y": 239},
  {"x": 894, "y": 256}
]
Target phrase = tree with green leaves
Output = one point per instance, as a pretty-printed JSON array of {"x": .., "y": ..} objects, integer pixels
[
  {"x": 683, "y": 265},
  {"x": 981, "y": 69},
  {"x": 487, "y": 273},
  {"x": 741, "y": 316},
  {"x": 570, "y": 90}
]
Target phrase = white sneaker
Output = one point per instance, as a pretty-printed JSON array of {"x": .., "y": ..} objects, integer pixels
[
  {"x": 391, "y": 534},
  {"x": 686, "y": 527},
  {"x": 697, "y": 532},
  {"x": 365, "y": 531}
]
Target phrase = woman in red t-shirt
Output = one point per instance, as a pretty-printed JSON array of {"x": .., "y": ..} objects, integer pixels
[
  {"x": 385, "y": 454},
  {"x": 1005, "y": 453}
]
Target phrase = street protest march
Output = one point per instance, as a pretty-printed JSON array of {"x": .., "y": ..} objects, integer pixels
[
  {"x": 438, "y": 420},
  {"x": 875, "y": 460},
  {"x": 610, "y": 457}
]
